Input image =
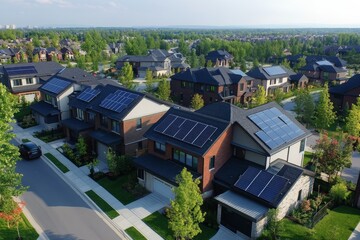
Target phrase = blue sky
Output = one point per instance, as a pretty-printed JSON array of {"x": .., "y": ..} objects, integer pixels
[{"x": 160, "y": 13}]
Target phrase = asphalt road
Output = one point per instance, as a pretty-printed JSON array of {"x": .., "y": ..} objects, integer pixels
[{"x": 57, "y": 208}]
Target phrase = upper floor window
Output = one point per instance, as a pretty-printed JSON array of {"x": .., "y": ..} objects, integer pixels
[
  {"x": 241, "y": 87},
  {"x": 104, "y": 121},
  {"x": 79, "y": 114},
  {"x": 183, "y": 84},
  {"x": 212, "y": 162},
  {"x": 48, "y": 98},
  {"x": 302, "y": 145},
  {"x": 17, "y": 82},
  {"x": 159, "y": 147},
  {"x": 212, "y": 88},
  {"x": 281, "y": 80},
  {"x": 185, "y": 158},
  {"x": 115, "y": 126},
  {"x": 29, "y": 81},
  {"x": 249, "y": 83},
  {"x": 138, "y": 123},
  {"x": 91, "y": 117},
  {"x": 272, "y": 81}
]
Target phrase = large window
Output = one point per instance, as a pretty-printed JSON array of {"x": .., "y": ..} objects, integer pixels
[
  {"x": 48, "y": 98},
  {"x": 104, "y": 121},
  {"x": 138, "y": 123},
  {"x": 302, "y": 145},
  {"x": 241, "y": 87},
  {"x": 185, "y": 158},
  {"x": 212, "y": 88},
  {"x": 159, "y": 147},
  {"x": 29, "y": 81},
  {"x": 91, "y": 117},
  {"x": 115, "y": 126},
  {"x": 79, "y": 114},
  {"x": 17, "y": 82}
]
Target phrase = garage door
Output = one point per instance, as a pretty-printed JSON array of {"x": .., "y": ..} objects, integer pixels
[
  {"x": 102, "y": 151},
  {"x": 30, "y": 97},
  {"x": 163, "y": 189}
]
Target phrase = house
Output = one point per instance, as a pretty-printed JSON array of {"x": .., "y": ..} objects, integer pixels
[
  {"x": 226, "y": 148},
  {"x": 67, "y": 53},
  {"x": 41, "y": 53},
  {"x": 271, "y": 78},
  {"x": 177, "y": 60},
  {"x": 52, "y": 53},
  {"x": 214, "y": 84},
  {"x": 5, "y": 56},
  {"x": 336, "y": 61},
  {"x": 24, "y": 79},
  {"x": 53, "y": 105},
  {"x": 298, "y": 80},
  {"x": 219, "y": 58},
  {"x": 112, "y": 117},
  {"x": 346, "y": 94}
]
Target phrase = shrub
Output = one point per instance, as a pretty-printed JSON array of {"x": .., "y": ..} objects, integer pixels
[{"x": 339, "y": 193}]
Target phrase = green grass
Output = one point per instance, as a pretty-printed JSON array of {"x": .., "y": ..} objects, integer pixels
[
  {"x": 338, "y": 224},
  {"x": 102, "y": 204},
  {"x": 25, "y": 140},
  {"x": 134, "y": 234},
  {"x": 159, "y": 223},
  {"x": 25, "y": 228},
  {"x": 307, "y": 158},
  {"x": 57, "y": 163},
  {"x": 115, "y": 188}
]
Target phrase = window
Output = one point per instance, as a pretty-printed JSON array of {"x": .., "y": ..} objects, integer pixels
[
  {"x": 299, "y": 195},
  {"x": 302, "y": 145},
  {"x": 159, "y": 147},
  {"x": 212, "y": 162},
  {"x": 140, "y": 174},
  {"x": 48, "y": 98},
  {"x": 103, "y": 121},
  {"x": 140, "y": 145},
  {"x": 115, "y": 126},
  {"x": 241, "y": 87},
  {"x": 29, "y": 81},
  {"x": 138, "y": 123},
  {"x": 272, "y": 81},
  {"x": 182, "y": 157},
  {"x": 91, "y": 117},
  {"x": 79, "y": 114},
  {"x": 181, "y": 97},
  {"x": 185, "y": 158},
  {"x": 183, "y": 84},
  {"x": 249, "y": 83},
  {"x": 17, "y": 82},
  {"x": 212, "y": 88},
  {"x": 281, "y": 80}
]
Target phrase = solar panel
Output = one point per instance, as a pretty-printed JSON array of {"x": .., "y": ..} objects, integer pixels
[
  {"x": 118, "y": 101},
  {"x": 88, "y": 94},
  {"x": 186, "y": 130},
  {"x": 21, "y": 70},
  {"x": 259, "y": 183},
  {"x": 246, "y": 178},
  {"x": 275, "y": 127},
  {"x": 55, "y": 85},
  {"x": 273, "y": 189},
  {"x": 274, "y": 70},
  {"x": 324, "y": 63}
]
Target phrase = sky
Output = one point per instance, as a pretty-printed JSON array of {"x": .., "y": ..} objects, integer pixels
[{"x": 170, "y": 13}]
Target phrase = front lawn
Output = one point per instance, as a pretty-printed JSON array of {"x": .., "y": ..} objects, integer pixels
[
  {"x": 338, "y": 224},
  {"x": 104, "y": 206},
  {"x": 25, "y": 228},
  {"x": 134, "y": 234},
  {"x": 159, "y": 223}
]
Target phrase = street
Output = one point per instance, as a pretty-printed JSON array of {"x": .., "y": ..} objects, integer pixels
[{"x": 57, "y": 208}]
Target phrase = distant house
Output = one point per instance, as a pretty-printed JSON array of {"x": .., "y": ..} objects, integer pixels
[
  {"x": 271, "y": 78},
  {"x": 324, "y": 72},
  {"x": 214, "y": 84},
  {"x": 24, "y": 79},
  {"x": 5, "y": 55},
  {"x": 298, "y": 80},
  {"x": 41, "y": 53},
  {"x": 336, "y": 61},
  {"x": 346, "y": 94},
  {"x": 219, "y": 58},
  {"x": 67, "y": 53},
  {"x": 52, "y": 52}
]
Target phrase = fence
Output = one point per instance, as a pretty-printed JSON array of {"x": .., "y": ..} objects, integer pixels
[{"x": 320, "y": 214}]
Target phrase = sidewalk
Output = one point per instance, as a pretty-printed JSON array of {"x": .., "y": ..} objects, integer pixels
[{"x": 78, "y": 178}]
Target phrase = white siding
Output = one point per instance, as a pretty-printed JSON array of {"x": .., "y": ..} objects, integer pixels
[
  {"x": 290, "y": 154},
  {"x": 63, "y": 103},
  {"x": 242, "y": 138},
  {"x": 146, "y": 107},
  {"x": 283, "y": 154}
]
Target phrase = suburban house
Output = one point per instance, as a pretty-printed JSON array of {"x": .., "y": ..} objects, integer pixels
[
  {"x": 5, "y": 55},
  {"x": 271, "y": 78},
  {"x": 67, "y": 53},
  {"x": 159, "y": 61},
  {"x": 219, "y": 58},
  {"x": 249, "y": 159},
  {"x": 112, "y": 117},
  {"x": 336, "y": 61},
  {"x": 344, "y": 95},
  {"x": 298, "y": 80},
  {"x": 9, "y": 55},
  {"x": 214, "y": 84},
  {"x": 53, "y": 105},
  {"x": 41, "y": 53},
  {"x": 52, "y": 52},
  {"x": 24, "y": 79}
]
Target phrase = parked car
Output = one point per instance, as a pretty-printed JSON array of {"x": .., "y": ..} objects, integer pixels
[{"x": 30, "y": 150}]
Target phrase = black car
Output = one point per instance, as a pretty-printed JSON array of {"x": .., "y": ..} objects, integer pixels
[{"x": 30, "y": 150}]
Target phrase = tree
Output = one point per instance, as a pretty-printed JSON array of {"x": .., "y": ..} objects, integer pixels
[
  {"x": 352, "y": 125},
  {"x": 332, "y": 155},
  {"x": 185, "y": 213},
  {"x": 301, "y": 63},
  {"x": 325, "y": 115},
  {"x": 259, "y": 96},
  {"x": 209, "y": 64},
  {"x": 256, "y": 63},
  {"x": 197, "y": 101},
  {"x": 278, "y": 95},
  {"x": 149, "y": 81},
  {"x": 304, "y": 106},
  {"x": 36, "y": 58},
  {"x": 10, "y": 181},
  {"x": 339, "y": 192},
  {"x": 163, "y": 91},
  {"x": 273, "y": 226},
  {"x": 126, "y": 76},
  {"x": 286, "y": 63}
]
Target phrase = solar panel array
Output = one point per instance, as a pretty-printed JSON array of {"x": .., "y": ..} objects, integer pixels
[
  {"x": 56, "y": 85},
  {"x": 88, "y": 94},
  {"x": 275, "y": 128},
  {"x": 262, "y": 184},
  {"x": 186, "y": 130},
  {"x": 21, "y": 70},
  {"x": 118, "y": 100},
  {"x": 274, "y": 70},
  {"x": 324, "y": 63}
]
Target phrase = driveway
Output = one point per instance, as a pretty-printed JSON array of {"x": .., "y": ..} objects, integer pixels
[{"x": 352, "y": 173}]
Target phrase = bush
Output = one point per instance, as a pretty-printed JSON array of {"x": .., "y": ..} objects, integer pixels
[
  {"x": 339, "y": 193},
  {"x": 118, "y": 164}
]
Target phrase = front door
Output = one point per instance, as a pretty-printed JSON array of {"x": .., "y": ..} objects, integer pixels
[{"x": 235, "y": 222}]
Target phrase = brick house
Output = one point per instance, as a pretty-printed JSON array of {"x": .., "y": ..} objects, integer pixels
[
  {"x": 219, "y": 58},
  {"x": 298, "y": 80},
  {"x": 41, "y": 53},
  {"x": 214, "y": 84},
  {"x": 112, "y": 116},
  {"x": 221, "y": 145},
  {"x": 346, "y": 94}
]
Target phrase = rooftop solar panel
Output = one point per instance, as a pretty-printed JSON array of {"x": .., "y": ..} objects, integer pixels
[
  {"x": 324, "y": 63},
  {"x": 247, "y": 178},
  {"x": 274, "y": 70},
  {"x": 274, "y": 188},
  {"x": 88, "y": 94},
  {"x": 118, "y": 100},
  {"x": 186, "y": 130},
  {"x": 56, "y": 85},
  {"x": 24, "y": 70}
]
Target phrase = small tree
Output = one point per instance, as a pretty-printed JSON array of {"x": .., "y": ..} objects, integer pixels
[
  {"x": 197, "y": 101},
  {"x": 163, "y": 91},
  {"x": 274, "y": 226},
  {"x": 353, "y": 120},
  {"x": 301, "y": 63},
  {"x": 111, "y": 161},
  {"x": 35, "y": 58},
  {"x": 259, "y": 96},
  {"x": 304, "y": 106},
  {"x": 209, "y": 64},
  {"x": 278, "y": 95},
  {"x": 325, "y": 110},
  {"x": 126, "y": 76},
  {"x": 13, "y": 215},
  {"x": 339, "y": 192},
  {"x": 149, "y": 81},
  {"x": 185, "y": 213},
  {"x": 81, "y": 148},
  {"x": 286, "y": 63}
]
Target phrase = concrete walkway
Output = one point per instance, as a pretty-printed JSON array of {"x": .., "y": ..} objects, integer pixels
[
  {"x": 224, "y": 233},
  {"x": 130, "y": 215}
]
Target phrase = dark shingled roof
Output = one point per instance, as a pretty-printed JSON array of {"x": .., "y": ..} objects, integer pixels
[
  {"x": 44, "y": 109},
  {"x": 164, "y": 169},
  {"x": 352, "y": 83},
  {"x": 107, "y": 138},
  {"x": 297, "y": 77},
  {"x": 76, "y": 125},
  {"x": 260, "y": 73},
  {"x": 42, "y": 68},
  {"x": 218, "y": 54},
  {"x": 78, "y": 75}
]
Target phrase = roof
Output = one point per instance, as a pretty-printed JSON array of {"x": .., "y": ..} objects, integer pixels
[
  {"x": 243, "y": 205},
  {"x": 352, "y": 83},
  {"x": 78, "y": 75},
  {"x": 55, "y": 86},
  {"x": 164, "y": 169},
  {"x": 211, "y": 76},
  {"x": 76, "y": 125},
  {"x": 203, "y": 119},
  {"x": 297, "y": 77},
  {"x": 44, "y": 109},
  {"x": 266, "y": 73},
  {"x": 218, "y": 54},
  {"x": 338, "y": 62},
  {"x": 42, "y": 68},
  {"x": 26, "y": 88},
  {"x": 107, "y": 138}
]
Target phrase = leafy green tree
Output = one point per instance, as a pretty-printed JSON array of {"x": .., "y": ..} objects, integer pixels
[
  {"x": 197, "y": 101},
  {"x": 126, "y": 76},
  {"x": 10, "y": 180},
  {"x": 256, "y": 63},
  {"x": 185, "y": 213},
  {"x": 193, "y": 60},
  {"x": 243, "y": 65},
  {"x": 209, "y": 64},
  {"x": 149, "y": 81},
  {"x": 352, "y": 125},
  {"x": 274, "y": 226},
  {"x": 339, "y": 192},
  {"x": 259, "y": 97},
  {"x": 286, "y": 63},
  {"x": 304, "y": 106},
  {"x": 301, "y": 63},
  {"x": 163, "y": 91},
  {"x": 35, "y": 58},
  {"x": 325, "y": 115},
  {"x": 201, "y": 60},
  {"x": 80, "y": 62},
  {"x": 278, "y": 95}
]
